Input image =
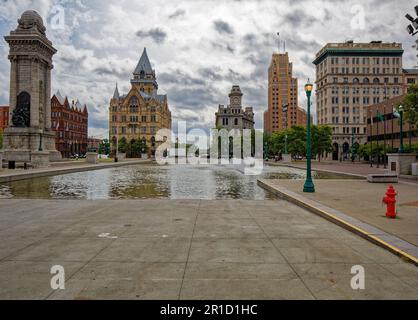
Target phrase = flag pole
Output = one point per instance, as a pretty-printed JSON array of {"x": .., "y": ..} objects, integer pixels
[
  {"x": 371, "y": 139},
  {"x": 393, "y": 117},
  {"x": 384, "y": 128},
  {"x": 378, "y": 144}
]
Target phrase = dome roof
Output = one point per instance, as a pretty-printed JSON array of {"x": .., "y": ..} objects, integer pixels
[{"x": 31, "y": 19}]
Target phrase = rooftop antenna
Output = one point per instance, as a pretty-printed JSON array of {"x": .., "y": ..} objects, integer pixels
[
  {"x": 284, "y": 46},
  {"x": 278, "y": 34}
]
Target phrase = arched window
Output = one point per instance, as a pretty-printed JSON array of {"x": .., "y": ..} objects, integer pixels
[
  {"x": 366, "y": 81},
  {"x": 236, "y": 121},
  {"x": 133, "y": 105},
  {"x": 376, "y": 81},
  {"x": 356, "y": 80},
  {"x": 142, "y": 74}
]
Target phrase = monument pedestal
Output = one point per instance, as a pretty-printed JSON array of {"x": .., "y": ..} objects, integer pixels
[
  {"x": 30, "y": 55},
  {"x": 121, "y": 156},
  {"x": 40, "y": 159},
  {"x": 401, "y": 163},
  {"x": 287, "y": 158},
  {"x": 92, "y": 157},
  {"x": 20, "y": 143}
]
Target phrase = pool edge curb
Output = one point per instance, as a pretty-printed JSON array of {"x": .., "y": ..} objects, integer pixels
[{"x": 61, "y": 171}]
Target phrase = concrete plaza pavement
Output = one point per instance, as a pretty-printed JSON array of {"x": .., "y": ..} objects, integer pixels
[
  {"x": 188, "y": 249},
  {"x": 362, "y": 200}
]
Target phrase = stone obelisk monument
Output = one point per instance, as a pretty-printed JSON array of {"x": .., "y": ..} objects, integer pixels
[{"x": 29, "y": 137}]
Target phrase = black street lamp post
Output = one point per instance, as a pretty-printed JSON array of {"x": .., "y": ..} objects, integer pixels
[{"x": 309, "y": 186}]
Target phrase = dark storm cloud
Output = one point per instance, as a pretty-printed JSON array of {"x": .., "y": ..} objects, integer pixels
[
  {"x": 177, "y": 77},
  {"x": 192, "y": 98},
  {"x": 109, "y": 71},
  {"x": 223, "y": 47},
  {"x": 297, "y": 43},
  {"x": 223, "y": 27},
  {"x": 96, "y": 121},
  {"x": 211, "y": 74},
  {"x": 178, "y": 13},
  {"x": 255, "y": 97},
  {"x": 156, "y": 34}
]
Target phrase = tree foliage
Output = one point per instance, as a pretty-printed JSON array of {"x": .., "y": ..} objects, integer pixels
[
  {"x": 296, "y": 141},
  {"x": 104, "y": 147},
  {"x": 122, "y": 145},
  {"x": 410, "y": 106}
]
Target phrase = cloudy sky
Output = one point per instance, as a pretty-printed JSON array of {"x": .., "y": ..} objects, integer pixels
[{"x": 198, "y": 48}]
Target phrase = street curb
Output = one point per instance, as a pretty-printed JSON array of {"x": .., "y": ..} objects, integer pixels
[
  {"x": 378, "y": 237},
  {"x": 61, "y": 171}
]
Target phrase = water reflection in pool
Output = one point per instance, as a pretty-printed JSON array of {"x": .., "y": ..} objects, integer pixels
[{"x": 150, "y": 181}]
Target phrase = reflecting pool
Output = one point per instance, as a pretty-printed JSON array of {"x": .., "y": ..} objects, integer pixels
[{"x": 152, "y": 181}]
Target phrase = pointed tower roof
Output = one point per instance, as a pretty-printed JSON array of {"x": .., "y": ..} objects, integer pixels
[
  {"x": 60, "y": 97},
  {"x": 144, "y": 64},
  {"x": 116, "y": 94},
  {"x": 78, "y": 105}
]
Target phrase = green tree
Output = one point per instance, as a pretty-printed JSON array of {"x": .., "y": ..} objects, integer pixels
[
  {"x": 321, "y": 141},
  {"x": 123, "y": 145},
  {"x": 365, "y": 151},
  {"x": 104, "y": 147},
  {"x": 138, "y": 147},
  {"x": 410, "y": 105},
  {"x": 297, "y": 141}
]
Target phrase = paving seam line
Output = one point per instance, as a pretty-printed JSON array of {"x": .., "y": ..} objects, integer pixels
[{"x": 300, "y": 201}]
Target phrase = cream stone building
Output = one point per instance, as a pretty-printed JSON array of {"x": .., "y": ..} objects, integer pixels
[
  {"x": 350, "y": 77},
  {"x": 234, "y": 116},
  {"x": 139, "y": 114}
]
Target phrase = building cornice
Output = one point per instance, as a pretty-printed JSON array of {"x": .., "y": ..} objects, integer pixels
[{"x": 358, "y": 53}]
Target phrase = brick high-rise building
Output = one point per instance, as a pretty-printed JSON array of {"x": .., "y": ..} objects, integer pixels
[
  {"x": 387, "y": 128},
  {"x": 141, "y": 113},
  {"x": 70, "y": 122},
  {"x": 302, "y": 117},
  {"x": 4, "y": 117},
  {"x": 350, "y": 77},
  {"x": 282, "y": 95},
  {"x": 410, "y": 77}
]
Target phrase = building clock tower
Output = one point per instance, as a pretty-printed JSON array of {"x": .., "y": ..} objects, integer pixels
[{"x": 235, "y": 98}]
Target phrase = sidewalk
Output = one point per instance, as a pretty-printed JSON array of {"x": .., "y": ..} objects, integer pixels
[
  {"x": 359, "y": 203},
  {"x": 358, "y": 169},
  {"x": 58, "y": 168}
]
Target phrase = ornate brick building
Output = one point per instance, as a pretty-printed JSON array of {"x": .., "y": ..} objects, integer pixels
[
  {"x": 4, "y": 117},
  {"x": 70, "y": 122},
  {"x": 234, "y": 116},
  {"x": 141, "y": 113}
]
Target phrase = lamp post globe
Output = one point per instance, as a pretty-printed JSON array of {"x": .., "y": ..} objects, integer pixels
[{"x": 309, "y": 186}]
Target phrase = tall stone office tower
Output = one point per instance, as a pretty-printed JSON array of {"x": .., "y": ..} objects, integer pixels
[{"x": 29, "y": 137}]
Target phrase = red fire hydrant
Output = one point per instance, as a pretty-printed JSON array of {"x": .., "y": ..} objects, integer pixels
[{"x": 390, "y": 201}]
